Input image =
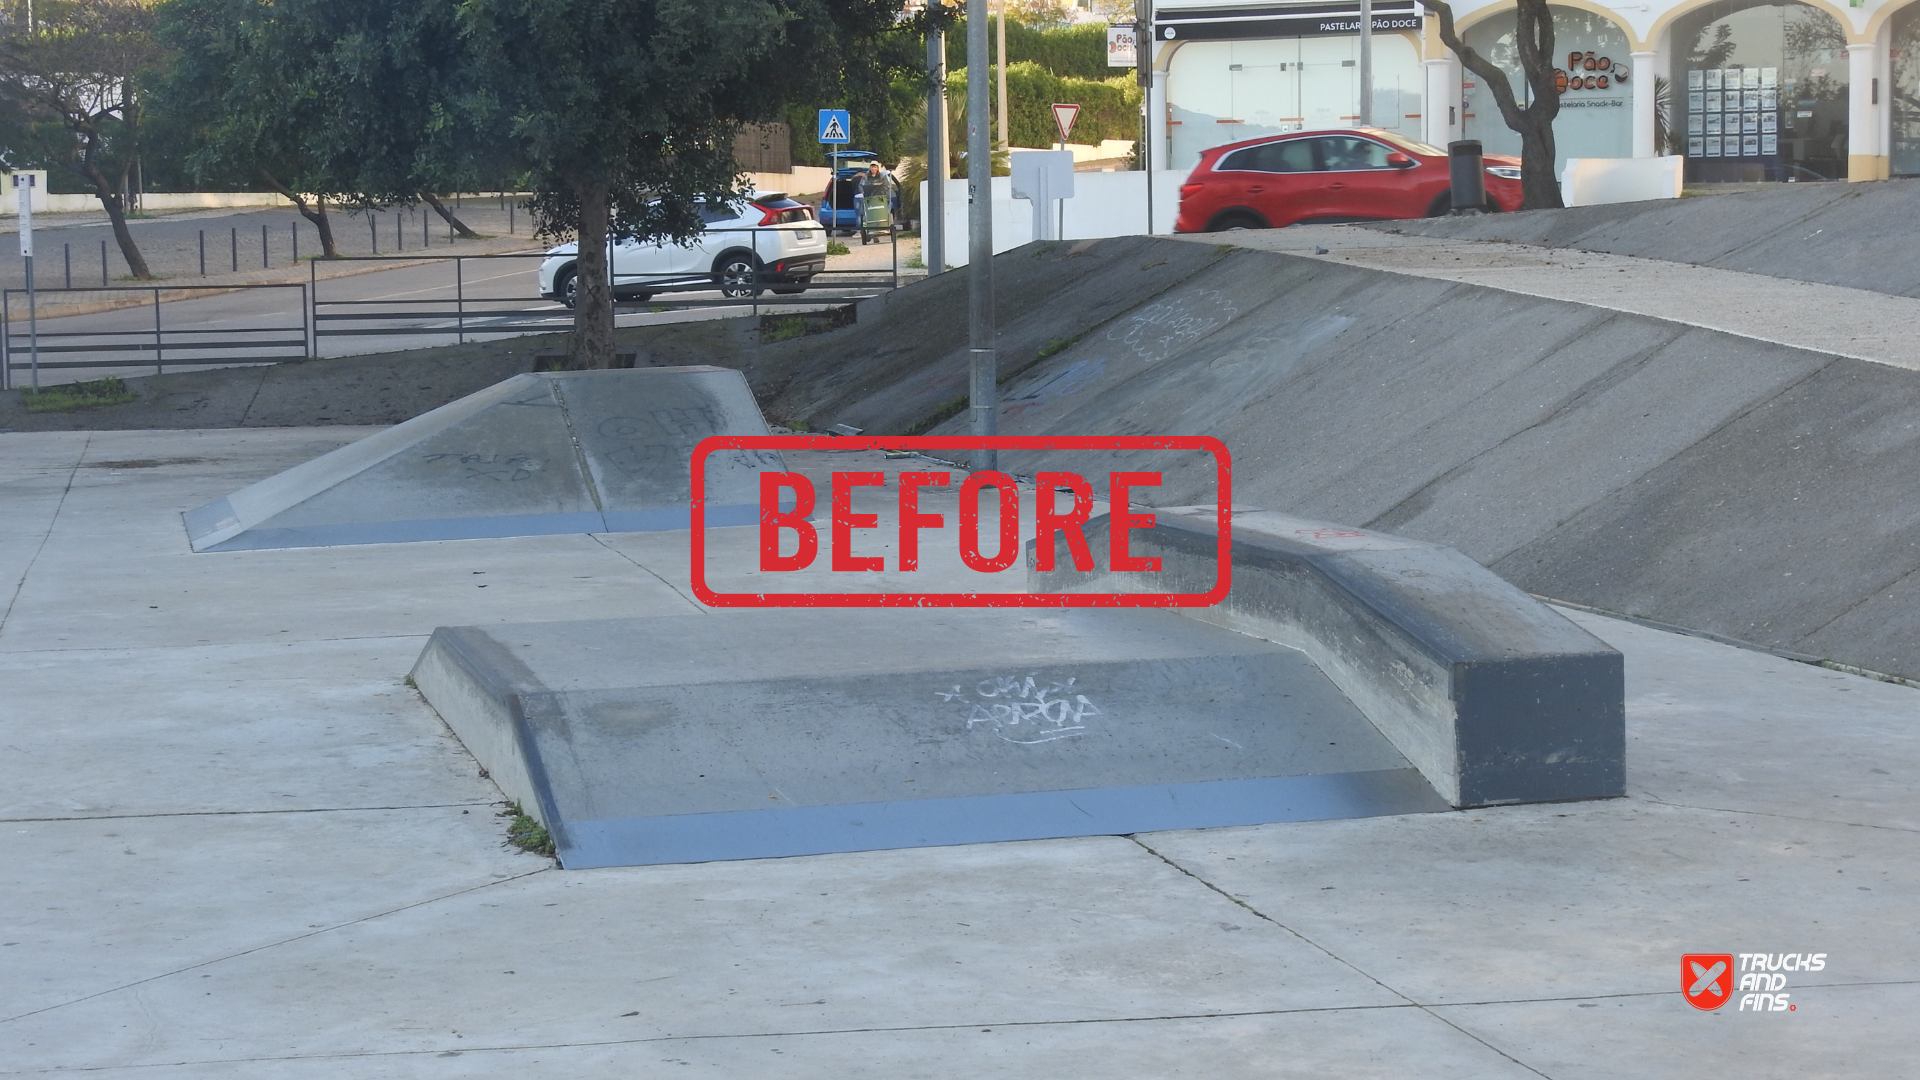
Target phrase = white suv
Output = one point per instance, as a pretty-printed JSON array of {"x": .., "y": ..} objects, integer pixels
[{"x": 769, "y": 242}]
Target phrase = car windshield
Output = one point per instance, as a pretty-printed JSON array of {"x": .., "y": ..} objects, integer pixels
[{"x": 1412, "y": 146}]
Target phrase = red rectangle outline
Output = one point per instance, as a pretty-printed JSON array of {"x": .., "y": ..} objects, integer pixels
[{"x": 1223, "y": 462}]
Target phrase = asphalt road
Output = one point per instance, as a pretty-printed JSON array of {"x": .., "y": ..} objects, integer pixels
[{"x": 408, "y": 307}]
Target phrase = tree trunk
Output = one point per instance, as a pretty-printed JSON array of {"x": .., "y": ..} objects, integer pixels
[
  {"x": 592, "y": 345},
  {"x": 116, "y": 209},
  {"x": 1533, "y": 34},
  {"x": 316, "y": 213},
  {"x": 440, "y": 208}
]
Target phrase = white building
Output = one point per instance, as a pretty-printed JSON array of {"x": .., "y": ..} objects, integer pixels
[{"x": 1747, "y": 90}]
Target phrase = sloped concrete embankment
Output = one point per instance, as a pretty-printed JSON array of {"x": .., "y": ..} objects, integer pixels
[
  {"x": 1666, "y": 472},
  {"x": 1836, "y": 234}
]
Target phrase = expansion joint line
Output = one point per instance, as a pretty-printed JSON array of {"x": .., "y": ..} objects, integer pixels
[
  {"x": 1331, "y": 955},
  {"x": 21, "y": 585},
  {"x": 274, "y": 944}
]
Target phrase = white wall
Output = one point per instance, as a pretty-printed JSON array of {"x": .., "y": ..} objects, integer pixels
[{"x": 1104, "y": 204}]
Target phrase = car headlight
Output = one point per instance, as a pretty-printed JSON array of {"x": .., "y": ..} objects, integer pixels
[{"x": 1504, "y": 172}]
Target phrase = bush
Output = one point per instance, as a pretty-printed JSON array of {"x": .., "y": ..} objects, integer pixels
[{"x": 1109, "y": 108}]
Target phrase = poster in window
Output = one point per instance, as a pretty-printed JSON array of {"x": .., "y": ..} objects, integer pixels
[
  {"x": 1696, "y": 124},
  {"x": 1769, "y": 144},
  {"x": 1693, "y": 79},
  {"x": 1750, "y": 100},
  {"x": 1769, "y": 99},
  {"x": 1713, "y": 79},
  {"x": 1750, "y": 78},
  {"x": 1713, "y": 123},
  {"x": 1713, "y": 101},
  {"x": 1750, "y": 123},
  {"x": 1769, "y": 77},
  {"x": 1769, "y": 123},
  {"x": 1696, "y": 102},
  {"x": 1749, "y": 146},
  {"x": 1696, "y": 147}
]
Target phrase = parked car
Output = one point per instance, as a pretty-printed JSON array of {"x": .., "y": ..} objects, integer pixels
[
  {"x": 767, "y": 242},
  {"x": 837, "y": 210},
  {"x": 1359, "y": 174}
]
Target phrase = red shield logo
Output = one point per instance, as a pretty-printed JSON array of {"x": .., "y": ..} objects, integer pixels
[{"x": 1707, "y": 979}]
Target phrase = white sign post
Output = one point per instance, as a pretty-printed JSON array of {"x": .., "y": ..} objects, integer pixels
[
  {"x": 1043, "y": 176},
  {"x": 23, "y": 183}
]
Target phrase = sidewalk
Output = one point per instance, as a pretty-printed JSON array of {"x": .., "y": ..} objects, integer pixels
[
  {"x": 1864, "y": 325},
  {"x": 237, "y": 844}
]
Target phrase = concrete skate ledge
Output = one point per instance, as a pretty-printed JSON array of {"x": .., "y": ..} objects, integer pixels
[{"x": 1492, "y": 695}]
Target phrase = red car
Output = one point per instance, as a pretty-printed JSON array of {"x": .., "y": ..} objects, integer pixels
[{"x": 1358, "y": 174}]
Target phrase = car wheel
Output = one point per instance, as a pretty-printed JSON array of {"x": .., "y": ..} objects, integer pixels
[
  {"x": 567, "y": 286},
  {"x": 1235, "y": 223},
  {"x": 737, "y": 274}
]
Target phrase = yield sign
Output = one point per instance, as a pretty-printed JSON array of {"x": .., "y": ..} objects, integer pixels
[{"x": 1063, "y": 118}]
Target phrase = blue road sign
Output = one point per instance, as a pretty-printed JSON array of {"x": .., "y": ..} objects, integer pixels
[{"x": 835, "y": 126}]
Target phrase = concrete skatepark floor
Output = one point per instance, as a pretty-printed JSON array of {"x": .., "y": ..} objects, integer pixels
[{"x": 237, "y": 844}]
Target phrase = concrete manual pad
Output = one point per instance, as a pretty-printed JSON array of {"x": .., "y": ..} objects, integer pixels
[
  {"x": 574, "y": 452},
  {"x": 758, "y": 734}
]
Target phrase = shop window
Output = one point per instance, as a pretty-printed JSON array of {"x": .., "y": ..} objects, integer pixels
[
  {"x": 1759, "y": 92},
  {"x": 1594, "y": 71},
  {"x": 1226, "y": 91},
  {"x": 1903, "y": 59}
]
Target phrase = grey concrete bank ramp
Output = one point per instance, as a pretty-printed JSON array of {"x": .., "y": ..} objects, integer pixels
[
  {"x": 1836, "y": 234},
  {"x": 1351, "y": 675},
  {"x": 757, "y": 734},
  {"x": 1665, "y": 472},
  {"x": 573, "y": 452}
]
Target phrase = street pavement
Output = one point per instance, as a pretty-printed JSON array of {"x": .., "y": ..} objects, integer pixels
[
  {"x": 236, "y": 843},
  {"x": 494, "y": 282}
]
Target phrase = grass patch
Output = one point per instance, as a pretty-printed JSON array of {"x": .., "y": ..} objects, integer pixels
[
  {"x": 835, "y": 247},
  {"x": 916, "y": 263},
  {"x": 1057, "y": 345},
  {"x": 525, "y": 833},
  {"x": 75, "y": 396},
  {"x": 802, "y": 324}
]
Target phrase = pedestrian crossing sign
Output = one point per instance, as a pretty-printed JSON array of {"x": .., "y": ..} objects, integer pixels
[{"x": 835, "y": 126}]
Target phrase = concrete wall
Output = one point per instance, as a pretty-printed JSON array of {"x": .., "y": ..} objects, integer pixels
[
  {"x": 46, "y": 203},
  {"x": 1104, "y": 204}
]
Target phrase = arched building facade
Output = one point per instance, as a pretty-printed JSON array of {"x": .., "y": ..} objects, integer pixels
[{"x": 1746, "y": 90}]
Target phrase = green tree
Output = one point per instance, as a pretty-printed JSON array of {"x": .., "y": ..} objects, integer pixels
[
  {"x": 343, "y": 101},
  {"x": 72, "y": 98},
  {"x": 622, "y": 112}
]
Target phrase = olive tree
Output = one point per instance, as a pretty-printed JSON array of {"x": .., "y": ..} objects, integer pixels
[
  {"x": 622, "y": 113},
  {"x": 1533, "y": 39}
]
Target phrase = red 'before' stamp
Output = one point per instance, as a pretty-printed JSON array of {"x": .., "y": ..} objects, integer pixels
[{"x": 788, "y": 501}]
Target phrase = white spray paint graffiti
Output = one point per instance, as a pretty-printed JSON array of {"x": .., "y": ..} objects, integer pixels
[
  {"x": 1165, "y": 326},
  {"x": 1025, "y": 710}
]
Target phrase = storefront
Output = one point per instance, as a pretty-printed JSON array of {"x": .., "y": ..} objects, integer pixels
[
  {"x": 1764, "y": 92},
  {"x": 1594, "y": 79},
  {"x": 1744, "y": 90},
  {"x": 1242, "y": 72},
  {"x": 1903, "y": 62}
]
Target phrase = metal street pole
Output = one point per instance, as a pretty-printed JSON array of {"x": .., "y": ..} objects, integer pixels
[
  {"x": 1366, "y": 63},
  {"x": 933, "y": 224},
  {"x": 24, "y": 184},
  {"x": 1006, "y": 137},
  {"x": 982, "y": 367}
]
